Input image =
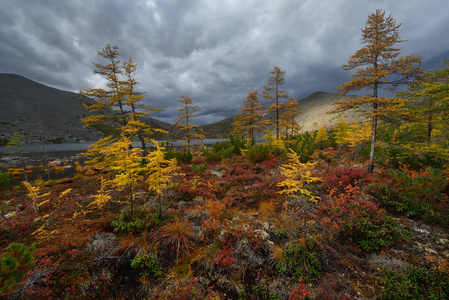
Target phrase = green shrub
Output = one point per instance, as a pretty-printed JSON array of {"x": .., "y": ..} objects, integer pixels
[
  {"x": 299, "y": 262},
  {"x": 137, "y": 222},
  {"x": 304, "y": 146},
  {"x": 199, "y": 169},
  {"x": 218, "y": 154},
  {"x": 147, "y": 264},
  {"x": 415, "y": 283},
  {"x": 258, "y": 153},
  {"x": 374, "y": 232},
  {"x": 15, "y": 262},
  {"x": 263, "y": 294},
  {"x": 183, "y": 156},
  {"x": 4, "y": 179},
  {"x": 421, "y": 197}
]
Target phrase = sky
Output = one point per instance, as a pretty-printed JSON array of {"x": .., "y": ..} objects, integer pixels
[{"x": 215, "y": 51}]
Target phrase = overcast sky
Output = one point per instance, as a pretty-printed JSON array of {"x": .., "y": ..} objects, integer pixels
[{"x": 216, "y": 51}]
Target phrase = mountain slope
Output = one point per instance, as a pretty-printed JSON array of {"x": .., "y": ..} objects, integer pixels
[
  {"x": 316, "y": 106},
  {"x": 41, "y": 112},
  {"x": 44, "y": 113}
]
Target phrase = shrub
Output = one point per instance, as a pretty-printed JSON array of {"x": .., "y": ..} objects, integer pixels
[
  {"x": 14, "y": 263},
  {"x": 147, "y": 264},
  {"x": 415, "y": 283},
  {"x": 304, "y": 145},
  {"x": 219, "y": 153},
  {"x": 362, "y": 220},
  {"x": 299, "y": 262},
  {"x": 417, "y": 195},
  {"x": 342, "y": 177},
  {"x": 258, "y": 153},
  {"x": 137, "y": 222},
  {"x": 199, "y": 169},
  {"x": 184, "y": 156},
  {"x": 4, "y": 179}
]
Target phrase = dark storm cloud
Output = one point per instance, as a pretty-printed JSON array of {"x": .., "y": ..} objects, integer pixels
[{"x": 215, "y": 51}]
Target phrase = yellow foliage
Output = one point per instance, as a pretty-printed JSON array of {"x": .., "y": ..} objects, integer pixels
[
  {"x": 102, "y": 198},
  {"x": 321, "y": 136},
  {"x": 297, "y": 175},
  {"x": 159, "y": 170}
]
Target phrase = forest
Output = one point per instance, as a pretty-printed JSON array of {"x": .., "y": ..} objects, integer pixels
[{"x": 354, "y": 211}]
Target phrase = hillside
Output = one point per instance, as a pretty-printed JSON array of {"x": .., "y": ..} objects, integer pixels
[{"x": 41, "y": 112}]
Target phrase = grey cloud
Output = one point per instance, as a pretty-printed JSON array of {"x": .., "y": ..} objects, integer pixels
[{"x": 215, "y": 51}]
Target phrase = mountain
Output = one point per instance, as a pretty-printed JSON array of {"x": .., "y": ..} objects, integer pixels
[
  {"x": 48, "y": 114},
  {"x": 314, "y": 107},
  {"x": 41, "y": 112}
]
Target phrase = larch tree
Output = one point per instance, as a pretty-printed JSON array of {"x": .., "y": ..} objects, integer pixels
[
  {"x": 429, "y": 103},
  {"x": 378, "y": 67},
  {"x": 288, "y": 118},
  {"x": 187, "y": 131},
  {"x": 251, "y": 119},
  {"x": 274, "y": 95},
  {"x": 119, "y": 102},
  {"x": 321, "y": 137}
]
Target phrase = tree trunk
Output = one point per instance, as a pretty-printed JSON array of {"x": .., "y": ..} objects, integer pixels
[{"x": 370, "y": 167}]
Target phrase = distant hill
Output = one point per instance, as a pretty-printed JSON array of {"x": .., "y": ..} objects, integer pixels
[
  {"x": 314, "y": 107},
  {"x": 48, "y": 114},
  {"x": 42, "y": 113}
]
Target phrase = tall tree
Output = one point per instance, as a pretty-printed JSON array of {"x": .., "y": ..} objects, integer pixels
[
  {"x": 274, "y": 95},
  {"x": 120, "y": 101},
  {"x": 188, "y": 132},
  {"x": 251, "y": 119},
  {"x": 288, "y": 117},
  {"x": 378, "y": 67}
]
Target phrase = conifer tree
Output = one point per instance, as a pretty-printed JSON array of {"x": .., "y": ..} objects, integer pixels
[
  {"x": 120, "y": 102},
  {"x": 378, "y": 67},
  {"x": 274, "y": 95},
  {"x": 160, "y": 172},
  {"x": 288, "y": 118},
  {"x": 321, "y": 137},
  {"x": 251, "y": 119},
  {"x": 188, "y": 132},
  {"x": 428, "y": 102}
]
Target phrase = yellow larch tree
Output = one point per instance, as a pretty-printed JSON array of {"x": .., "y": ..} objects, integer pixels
[
  {"x": 119, "y": 103},
  {"x": 297, "y": 176},
  {"x": 159, "y": 172},
  {"x": 274, "y": 95},
  {"x": 250, "y": 120},
  {"x": 288, "y": 118},
  {"x": 378, "y": 67},
  {"x": 428, "y": 105},
  {"x": 188, "y": 132},
  {"x": 321, "y": 137}
]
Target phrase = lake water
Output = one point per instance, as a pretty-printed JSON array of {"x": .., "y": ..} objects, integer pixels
[
  {"x": 63, "y": 155},
  {"x": 81, "y": 147}
]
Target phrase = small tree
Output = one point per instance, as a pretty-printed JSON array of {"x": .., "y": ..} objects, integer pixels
[
  {"x": 188, "y": 132},
  {"x": 14, "y": 263},
  {"x": 378, "y": 67},
  {"x": 297, "y": 176},
  {"x": 321, "y": 137},
  {"x": 274, "y": 95},
  {"x": 251, "y": 119},
  {"x": 160, "y": 172}
]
